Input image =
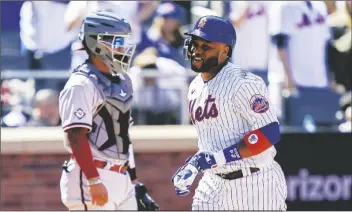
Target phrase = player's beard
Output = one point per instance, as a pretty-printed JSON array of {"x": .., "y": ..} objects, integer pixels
[{"x": 206, "y": 66}]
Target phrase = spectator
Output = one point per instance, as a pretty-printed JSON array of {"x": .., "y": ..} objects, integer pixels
[
  {"x": 164, "y": 34},
  {"x": 250, "y": 19},
  {"x": 17, "y": 117},
  {"x": 158, "y": 98},
  {"x": 340, "y": 48},
  {"x": 46, "y": 45},
  {"x": 300, "y": 34},
  {"x": 5, "y": 99},
  {"x": 45, "y": 109},
  {"x": 147, "y": 13},
  {"x": 15, "y": 98}
]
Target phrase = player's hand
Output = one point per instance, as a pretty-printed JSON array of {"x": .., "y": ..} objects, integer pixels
[
  {"x": 206, "y": 160},
  {"x": 99, "y": 194},
  {"x": 289, "y": 88},
  {"x": 335, "y": 87},
  {"x": 183, "y": 180},
  {"x": 184, "y": 177}
]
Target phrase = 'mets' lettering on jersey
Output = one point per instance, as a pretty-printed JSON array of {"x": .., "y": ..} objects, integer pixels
[
  {"x": 209, "y": 110},
  {"x": 226, "y": 108}
]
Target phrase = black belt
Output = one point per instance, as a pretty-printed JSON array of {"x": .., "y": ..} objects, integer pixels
[{"x": 237, "y": 174}]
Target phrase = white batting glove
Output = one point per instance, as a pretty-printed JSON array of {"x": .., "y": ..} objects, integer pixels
[{"x": 183, "y": 179}]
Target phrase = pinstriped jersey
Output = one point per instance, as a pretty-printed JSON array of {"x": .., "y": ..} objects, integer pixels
[{"x": 226, "y": 108}]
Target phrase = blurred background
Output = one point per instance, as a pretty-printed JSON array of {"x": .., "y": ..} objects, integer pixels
[{"x": 313, "y": 105}]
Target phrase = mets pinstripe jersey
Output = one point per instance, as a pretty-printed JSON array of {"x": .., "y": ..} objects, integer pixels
[{"x": 223, "y": 110}]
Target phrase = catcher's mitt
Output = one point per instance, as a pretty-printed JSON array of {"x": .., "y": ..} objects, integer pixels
[{"x": 144, "y": 201}]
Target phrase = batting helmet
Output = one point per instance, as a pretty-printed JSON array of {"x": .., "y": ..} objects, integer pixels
[
  {"x": 214, "y": 29},
  {"x": 108, "y": 36}
]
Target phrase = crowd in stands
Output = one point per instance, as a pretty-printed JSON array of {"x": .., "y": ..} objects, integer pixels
[{"x": 302, "y": 50}]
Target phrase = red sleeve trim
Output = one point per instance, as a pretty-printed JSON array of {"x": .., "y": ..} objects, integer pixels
[{"x": 73, "y": 125}]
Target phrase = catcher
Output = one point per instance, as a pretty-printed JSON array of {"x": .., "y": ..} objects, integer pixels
[{"x": 95, "y": 109}]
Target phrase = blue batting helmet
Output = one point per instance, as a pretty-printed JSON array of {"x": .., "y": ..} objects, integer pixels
[{"x": 214, "y": 29}]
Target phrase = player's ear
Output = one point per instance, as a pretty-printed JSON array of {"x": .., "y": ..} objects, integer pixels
[{"x": 225, "y": 51}]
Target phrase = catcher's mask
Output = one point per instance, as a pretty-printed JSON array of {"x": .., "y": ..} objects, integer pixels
[
  {"x": 109, "y": 37},
  {"x": 120, "y": 46}
]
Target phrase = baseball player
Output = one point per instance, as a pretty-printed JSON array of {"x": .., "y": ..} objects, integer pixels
[
  {"x": 237, "y": 129},
  {"x": 95, "y": 111}
]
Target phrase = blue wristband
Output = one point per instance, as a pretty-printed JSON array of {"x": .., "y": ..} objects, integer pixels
[
  {"x": 231, "y": 153},
  {"x": 227, "y": 155}
]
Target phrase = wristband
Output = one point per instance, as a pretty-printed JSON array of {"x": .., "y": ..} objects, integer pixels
[
  {"x": 227, "y": 155},
  {"x": 94, "y": 182}
]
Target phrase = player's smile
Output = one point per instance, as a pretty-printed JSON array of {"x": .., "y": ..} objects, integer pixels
[
  {"x": 197, "y": 61},
  {"x": 203, "y": 55},
  {"x": 209, "y": 49}
]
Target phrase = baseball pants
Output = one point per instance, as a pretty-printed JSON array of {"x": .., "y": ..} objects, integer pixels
[
  {"x": 75, "y": 194},
  {"x": 263, "y": 190}
]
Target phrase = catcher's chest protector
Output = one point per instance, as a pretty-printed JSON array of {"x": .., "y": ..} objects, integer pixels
[{"x": 109, "y": 136}]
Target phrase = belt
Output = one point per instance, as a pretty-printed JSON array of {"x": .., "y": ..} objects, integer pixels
[
  {"x": 109, "y": 166},
  {"x": 237, "y": 174},
  {"x": 112, "y": 167}
]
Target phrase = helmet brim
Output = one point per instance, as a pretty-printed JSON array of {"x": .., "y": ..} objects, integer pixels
[
  {"x": 210, "y": 37},
  {"x": 205, "y": 36},
  {"x": 198, "y": 33}
]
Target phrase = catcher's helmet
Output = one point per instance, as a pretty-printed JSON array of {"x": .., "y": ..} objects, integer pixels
[
  {"x": 214, "y": 29},
  {"x": 108, "y": 36}
]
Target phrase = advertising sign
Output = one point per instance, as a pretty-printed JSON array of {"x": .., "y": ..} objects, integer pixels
[{"x": 318, "y": 169}]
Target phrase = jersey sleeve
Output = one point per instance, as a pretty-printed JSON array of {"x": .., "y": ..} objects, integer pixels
[
  {"x": 76, "y": 105},
  {"x": 280, "y": 19},
  {"x": 251, "y": 99}
]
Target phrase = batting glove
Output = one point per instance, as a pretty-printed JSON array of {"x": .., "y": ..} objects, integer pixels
[
  {"x": 184, "y": 177},
  {"x": 206, "y": 160}
]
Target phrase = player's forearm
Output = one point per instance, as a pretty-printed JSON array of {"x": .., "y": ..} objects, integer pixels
[
  {"x": 253, "y": 143},
  {"x": 281, "y": 41},
  {"x": 285, "y": 62},
  {"x": 78, "y": 140}
]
